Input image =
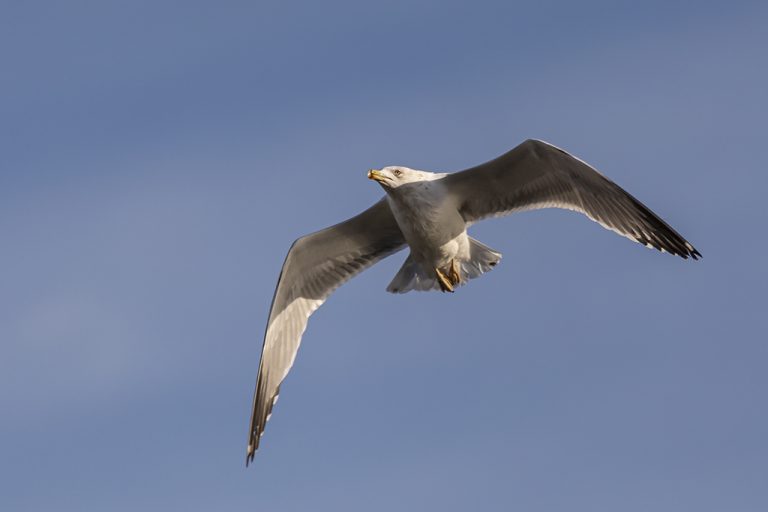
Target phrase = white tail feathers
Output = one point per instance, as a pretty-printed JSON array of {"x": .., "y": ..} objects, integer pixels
[
  {"x": 481, "y": 259},
  {"x": 412, "y": 276}
]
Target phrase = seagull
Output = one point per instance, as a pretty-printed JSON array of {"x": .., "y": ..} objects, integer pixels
[{"x": 429, "y": 213}]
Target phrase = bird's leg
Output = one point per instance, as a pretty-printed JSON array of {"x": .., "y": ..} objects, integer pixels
[
  {"x": 454, "y": 274},
  {"x": 445, "y": 283}
]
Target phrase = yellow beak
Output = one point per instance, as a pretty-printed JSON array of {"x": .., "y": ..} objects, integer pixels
[{"x": 374, "y": 174}]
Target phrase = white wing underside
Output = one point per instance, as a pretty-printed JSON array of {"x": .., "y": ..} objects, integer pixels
[
  {"x": 538, "y": 175},
  {"x": 315, "y": 266}
]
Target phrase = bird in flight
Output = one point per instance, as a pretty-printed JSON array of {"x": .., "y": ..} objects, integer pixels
[{"x": 429, "y": 213}]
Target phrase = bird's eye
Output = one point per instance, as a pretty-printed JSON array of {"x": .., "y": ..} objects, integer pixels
[{"x": 398, "y": 173}]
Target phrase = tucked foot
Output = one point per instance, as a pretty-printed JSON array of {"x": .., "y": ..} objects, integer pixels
[
  {"x": 445, "y": 283},
  {"x": 454, "y": 276}
]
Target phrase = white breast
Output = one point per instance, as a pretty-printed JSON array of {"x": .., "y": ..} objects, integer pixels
[{"x": 431, "y": 224}]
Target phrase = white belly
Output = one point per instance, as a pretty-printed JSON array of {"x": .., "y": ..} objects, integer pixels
[
  {"x": 442, "y": 255},
  {"x": 433, "y": 228}
]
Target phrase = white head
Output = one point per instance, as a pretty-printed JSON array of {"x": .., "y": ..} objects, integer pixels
[{"x": 396, "y": 175}]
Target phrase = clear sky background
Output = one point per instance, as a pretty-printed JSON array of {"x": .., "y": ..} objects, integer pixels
[{"x": 157, "y": 159}]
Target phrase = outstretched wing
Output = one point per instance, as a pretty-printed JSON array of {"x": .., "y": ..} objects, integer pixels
[
  {"x": 316, "y": 265},
  {"x": 538, "y": 175}
]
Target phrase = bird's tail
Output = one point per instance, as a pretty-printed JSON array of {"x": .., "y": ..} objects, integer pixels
[
  {"x": 412, "y": 275},
  {"x": 481, "y": 259}
]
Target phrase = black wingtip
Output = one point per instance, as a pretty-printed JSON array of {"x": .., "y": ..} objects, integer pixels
[
  {"x": 250, "y": 452},
  {"x": 691, "y": 251}
]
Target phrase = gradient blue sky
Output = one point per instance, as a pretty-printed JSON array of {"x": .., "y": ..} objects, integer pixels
[{"x": 147, "y": 148}]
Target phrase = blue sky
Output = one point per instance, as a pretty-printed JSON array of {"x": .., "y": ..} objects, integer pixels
[{"x": 146, "y": 146}]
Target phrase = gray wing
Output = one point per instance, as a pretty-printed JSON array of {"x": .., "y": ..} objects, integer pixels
[
  {"x": 538, "y": 175},
  {"x": 316, "y": 265}
]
